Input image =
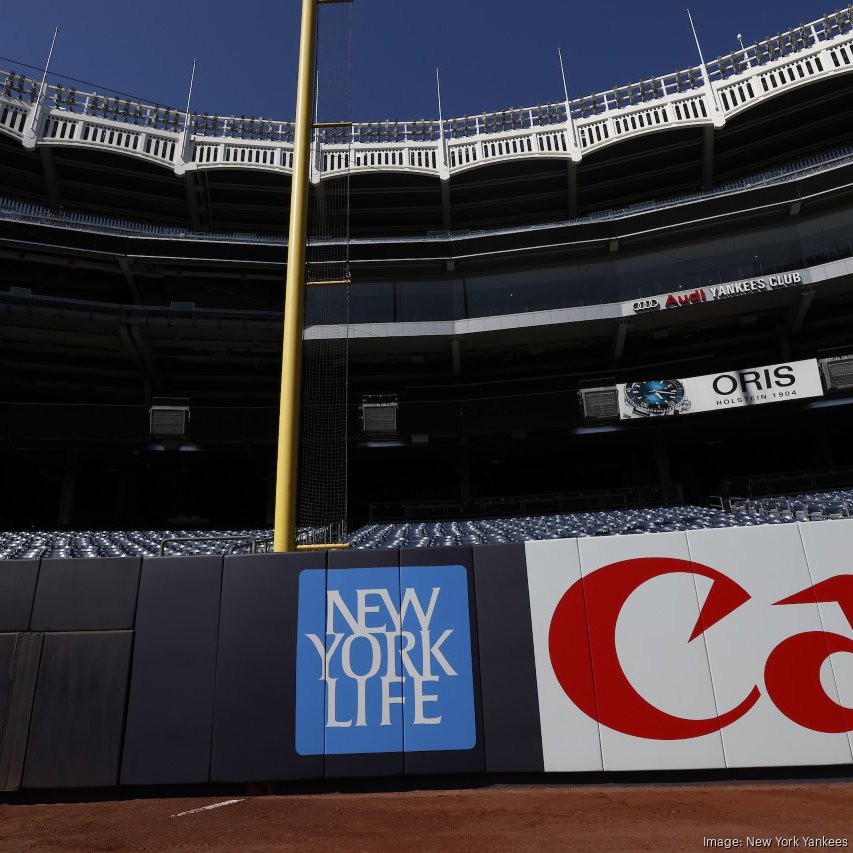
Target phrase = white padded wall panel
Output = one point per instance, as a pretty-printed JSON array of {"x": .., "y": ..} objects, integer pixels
[
  {"x": 770, "y": 564},
  {"x": 662, "y": 667},
  {"x": 570, "y": 740},
  {"x": 829, "y": 551}
]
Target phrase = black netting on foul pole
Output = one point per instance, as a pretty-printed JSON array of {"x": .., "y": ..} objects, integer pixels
[{"x": 323, "y": 444}]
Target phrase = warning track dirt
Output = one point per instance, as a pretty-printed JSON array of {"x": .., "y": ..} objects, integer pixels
[{"x": 594, "y": 818}]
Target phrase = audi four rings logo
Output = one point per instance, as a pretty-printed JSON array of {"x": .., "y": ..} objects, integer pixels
[
  {"x": 586, "y": 619},
  {"x": 645, "y": 305}
]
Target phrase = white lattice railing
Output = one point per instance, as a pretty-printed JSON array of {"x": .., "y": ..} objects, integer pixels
[
  {"x": 461, "y": 154},
  {"x": 13, "y": 117},
  {"x": 63, "y": 129},
  {"x": 735, "y": 96},
  {"x": 552, "y": 142},
  {"x": 62, "y": 115},
  {"x": 14, "y": 210}
]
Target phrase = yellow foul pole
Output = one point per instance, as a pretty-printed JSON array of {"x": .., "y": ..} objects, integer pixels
[{"x": 291, "y": 361}]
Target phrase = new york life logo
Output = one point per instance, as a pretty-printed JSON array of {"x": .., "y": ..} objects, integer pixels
[{"x": 383, "y": 661}]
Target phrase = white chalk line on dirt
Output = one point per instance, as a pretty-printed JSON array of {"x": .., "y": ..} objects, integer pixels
[{"x": 207, "y": 808}]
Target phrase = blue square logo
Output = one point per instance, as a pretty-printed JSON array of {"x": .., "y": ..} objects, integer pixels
[{"x": 384, "y": 661}]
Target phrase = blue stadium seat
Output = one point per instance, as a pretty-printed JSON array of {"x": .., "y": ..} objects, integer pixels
[{"x": 818, "y": 506}]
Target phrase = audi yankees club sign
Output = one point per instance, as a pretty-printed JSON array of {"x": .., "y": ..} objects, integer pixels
[
  {"x": 682, "y": 298},
  {"x": 773, "y": 383},
  {"x": 698, "y": 649}
]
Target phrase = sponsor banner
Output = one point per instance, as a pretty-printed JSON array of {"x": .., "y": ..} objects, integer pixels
[
  {"x": 824, "y": 545},
  {"x": 569, "y": 732},
  {"x": 773, "y": 383},
  {"x": 649, "y": 716},
  {"x": 702, "y": 649},
  {"x": 771, "y": 648},
  {"x": 392, "y": 648},
  {"x": 682, "y": 298}
]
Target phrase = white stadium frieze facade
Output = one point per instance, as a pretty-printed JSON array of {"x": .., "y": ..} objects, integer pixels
[{"x": 708, "y": 96}]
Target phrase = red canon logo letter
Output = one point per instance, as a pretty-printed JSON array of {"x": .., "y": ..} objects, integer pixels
[
  {"x": 792, "y": 673},
  {"x": 587, "y": 664}
]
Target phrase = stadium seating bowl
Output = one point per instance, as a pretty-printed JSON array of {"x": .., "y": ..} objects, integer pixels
[{"x": 32, "y": 545}]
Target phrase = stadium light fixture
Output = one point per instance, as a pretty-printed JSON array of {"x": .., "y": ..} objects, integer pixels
[{"x": 284, "y": 527}]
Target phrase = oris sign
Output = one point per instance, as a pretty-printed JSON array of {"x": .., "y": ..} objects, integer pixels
[
  {"x": 772, "y": 383},
  {"x": 726, "y": 648}
]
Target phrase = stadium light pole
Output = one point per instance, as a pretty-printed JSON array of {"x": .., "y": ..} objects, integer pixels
[
  {"x": 715, "y": 105},
  {"x": 563, "y": 74},
  {"x": 190, "y": 94},
  {"x": 47, "y": 67},
  {"x": 33, "y": 119},
  {"x": 287, "y": 461},
  {"x": 442, "y": 140}
]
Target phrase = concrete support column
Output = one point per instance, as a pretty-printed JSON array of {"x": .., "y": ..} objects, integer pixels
[
  {"x": 662, "y": 461},
  {"x": 69, "y": 490},
  {"x": 572, "y": 186},
  {"x": 463, "y": 470},
  {"x": 128, "y": 497}
]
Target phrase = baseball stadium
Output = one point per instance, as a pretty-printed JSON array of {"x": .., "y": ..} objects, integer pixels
[{"x": 483, "y": 481}]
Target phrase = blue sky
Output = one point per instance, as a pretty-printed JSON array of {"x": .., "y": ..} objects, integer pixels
[{"x": 492, "y": 55}]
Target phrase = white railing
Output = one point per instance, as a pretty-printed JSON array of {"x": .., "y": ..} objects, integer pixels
[
  {"x": 62, "y": 115},
  {"x": 19, "y": 211},
  {"x": 13, "y": 118}
]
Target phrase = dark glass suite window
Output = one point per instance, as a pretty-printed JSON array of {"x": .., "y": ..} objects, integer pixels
[{"x": 788, "y": 246}]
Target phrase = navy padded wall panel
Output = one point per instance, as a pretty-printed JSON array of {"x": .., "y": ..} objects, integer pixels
[
  {"x": 471, "y": 760},
  {"x": 78, "y": 713},
  {"x": 92, "y": 594},
  {"x": 8, "y": 644},
  {"x": 17, "y": 590},
  {"x": 511, "y": 728},
  {"x": 19, "y": 708},
  {"x": 376, "y": 763},
  {"x": 170, "y": 711},
  {"x": 254, "y": 720}
]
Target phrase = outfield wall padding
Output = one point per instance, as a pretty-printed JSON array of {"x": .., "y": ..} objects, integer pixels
[
  {"x": 20, "y": 695},
  {"x": 17, "y": 592},
  {"x": 391, "y": 761},
  {"x": 511, "y": 729},
  {"x": 91, "y": 594},
  {"x": 471, "y": 759},
  {"x": 78, "y": 712},
  {"x": 8, "y": 643},
  {"x": 172, "y": 685},
  {"x": 255, "y": 710},
  {"x": 693, "y": 650}
]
